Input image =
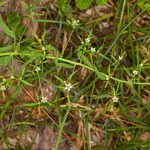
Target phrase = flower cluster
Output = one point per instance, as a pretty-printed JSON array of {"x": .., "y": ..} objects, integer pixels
[{"x": 74, "y": 23}]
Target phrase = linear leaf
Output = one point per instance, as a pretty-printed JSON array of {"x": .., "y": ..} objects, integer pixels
[
  {"x": 101, "y": 2},
  {"x": 5, "y": 60},
  {"x": 6, "y": 29},
  {"x": 65, "y": 65},
  {"x": 85, "y": 59},
  {"x": 26, "y": 83},
  {"x": 6, "y": 48}
]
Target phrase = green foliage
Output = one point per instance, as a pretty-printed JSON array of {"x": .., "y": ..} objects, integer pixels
[
  {"x": 14, "y": 22},
  {"x": 144, "y": 4},
  {"x": 6, "y": 29},
  {"x": 5, "y": 60},
  {"x": 101, "y": 2},
  {"x": 12, "y": 27},
  {"x": 6, "y": 48},
  {"x": 108, "y": 90},
  {"x": 84, "y": 4},
  {"x": 65, "y": 7}
]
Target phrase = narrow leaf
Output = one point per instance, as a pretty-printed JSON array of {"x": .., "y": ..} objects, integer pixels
[
  {"x": 6, "y": 48},
  {"x": 85, "y": 59},
  {"x": 6, "y": 29},
  {"x": 5, "y": 60},
  {"x": 65, "y": 65},
  {"x": 101, "y": 2},
  {"x": 26, "y": 83}
]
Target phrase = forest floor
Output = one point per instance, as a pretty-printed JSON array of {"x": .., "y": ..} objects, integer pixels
[{"x": 74, "y": 79}]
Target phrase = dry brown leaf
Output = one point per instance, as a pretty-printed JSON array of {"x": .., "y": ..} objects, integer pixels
[
  {"x": 65, "y": 42},
  {"x": 37, "y": 113},
  {"x": 80, "y": 134},
  {"x": 48, "y": 91},
  {"x": 84, "y": 73},
  {"x": 127, "y": 136},
  {"x": 96, "y": 135}
]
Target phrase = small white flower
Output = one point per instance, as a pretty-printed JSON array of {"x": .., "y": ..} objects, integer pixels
[
  {"x": 135, "y": 72},
  {"x": 43, "y": 48},
  {"x": 107, "y": 77},
  {"x": 75, "y": 22},
  {"x": 37, "y": 69},
  {"x": 93, "y": 49},
  {"x": 3, "y": 88},
  {"x": 21, "y": 112},
  {"x": 68, "y": 86},
  {"x": 141, "y": 65},
  {"x": 120, "y": 58},
  {"x": 44, "y": 99},
  {"x": 12, "y": 77},
  {"x": 87, "y": 40},
  {"x": 115, "y": 99}
]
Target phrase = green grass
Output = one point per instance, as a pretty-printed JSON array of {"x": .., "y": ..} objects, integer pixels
[{"x": 117, "y": 70}]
